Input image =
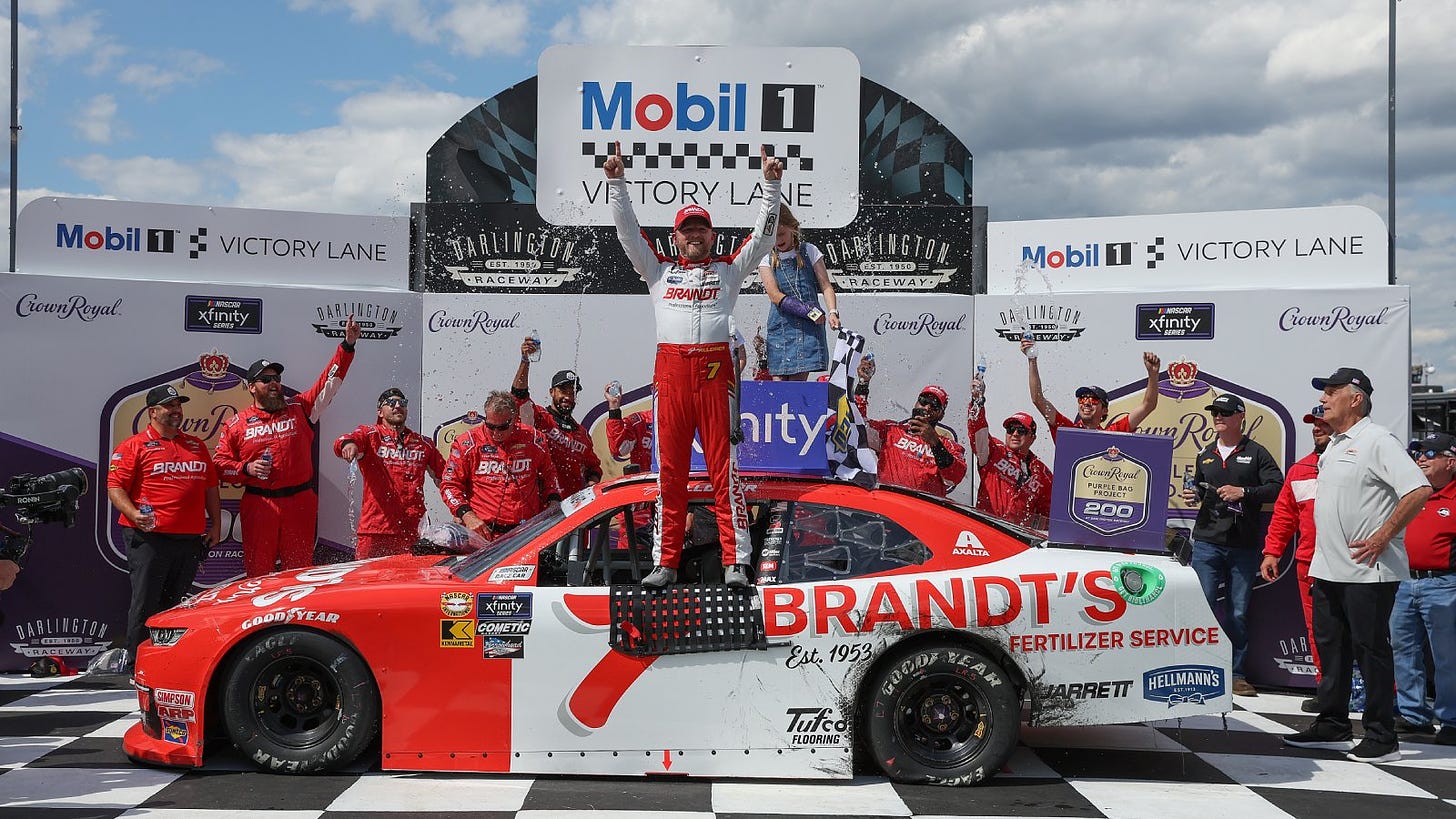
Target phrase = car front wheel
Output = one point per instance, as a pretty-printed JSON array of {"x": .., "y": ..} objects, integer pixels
[
  {"x": 298, "y": 701},
  {"x": 941, "y": 714}
]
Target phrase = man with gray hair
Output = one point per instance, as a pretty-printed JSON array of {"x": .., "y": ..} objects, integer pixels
[
  {"x": 499, "y": 473},
  {"x": 1368, "y": 490}
]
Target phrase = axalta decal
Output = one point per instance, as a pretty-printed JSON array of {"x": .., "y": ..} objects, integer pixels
[
  {"x": 954, "y": 602},
  {"x": 1175, "y": 684}
]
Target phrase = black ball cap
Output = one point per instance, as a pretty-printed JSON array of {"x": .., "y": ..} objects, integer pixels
[
  {"x": 565, "y": 377},
  {"x": 392, "y": 392},
  {"x": 1343, "y": 376},
  {"x": 158, "y": 396},
  {"x": 257, "y": 368},
  {"x": 1227, "y": 402}
]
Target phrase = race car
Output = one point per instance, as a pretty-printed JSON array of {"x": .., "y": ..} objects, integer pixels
[{"x": 887, "y": 628}]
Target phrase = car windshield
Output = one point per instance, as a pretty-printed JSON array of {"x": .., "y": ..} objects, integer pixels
[
  {"x": 1031, "y": 537},
  {"x": 475, "y": 564}
]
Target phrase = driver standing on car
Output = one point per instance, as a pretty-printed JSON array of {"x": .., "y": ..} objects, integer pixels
[
  {"x": 694, "y": 380},
  {"x": 499, "y": 473}
]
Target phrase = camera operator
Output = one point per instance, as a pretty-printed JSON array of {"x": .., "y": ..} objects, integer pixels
[{"x": 165, "y": 485}]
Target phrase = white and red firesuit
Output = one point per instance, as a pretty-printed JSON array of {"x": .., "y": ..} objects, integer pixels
[
  {"x": 694, "y": 379},
  {"x": 503, "y": 482},
  {"x": 280, "y": 514},
  {"x": 1015, "y": 486},
  {"x": 568, "y": 442},
  {"x": 393, "y": 464}
]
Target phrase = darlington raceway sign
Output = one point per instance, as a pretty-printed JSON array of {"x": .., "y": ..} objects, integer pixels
[
  {"x": 1326, "y": 247},
  {"x": 690, "y": 121}
]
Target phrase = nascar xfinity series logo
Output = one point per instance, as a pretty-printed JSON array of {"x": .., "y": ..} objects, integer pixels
[
  {"x": 223, "y": 314},
  {"x": 1177, "y": 684}
]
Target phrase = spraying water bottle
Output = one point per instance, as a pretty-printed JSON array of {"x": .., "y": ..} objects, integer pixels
[
  {"x": 145, "y": 508},
  {"x": 354, "y": 502},
  {"x": 1357, "y": 691},
  {"x": 869, "y": 361},
  {"x": 981, "y": 366},
  {"x": 614, "y": 389},
  {"x": 536, "y": 339}
]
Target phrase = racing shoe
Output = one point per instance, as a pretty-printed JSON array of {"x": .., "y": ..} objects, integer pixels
[
  {"x": 1315, "y": 738},
  {"x": 661, "y": 577},
  {"x": 736, "y": 576}
]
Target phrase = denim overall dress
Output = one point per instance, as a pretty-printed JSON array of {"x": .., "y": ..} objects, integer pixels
[{"x": 796, "y": 344}]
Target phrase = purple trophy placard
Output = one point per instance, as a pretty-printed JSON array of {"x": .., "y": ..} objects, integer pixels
[{"x": 1110, "y": 489}]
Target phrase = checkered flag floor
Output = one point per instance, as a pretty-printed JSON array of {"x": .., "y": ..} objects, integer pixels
[{"x": 61, "y": 758}]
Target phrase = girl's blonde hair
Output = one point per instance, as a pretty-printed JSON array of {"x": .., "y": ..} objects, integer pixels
[{"x": 786, "y": 219}]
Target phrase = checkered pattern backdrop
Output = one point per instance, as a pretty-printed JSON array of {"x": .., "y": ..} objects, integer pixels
[{"x": 729, "y": 155}]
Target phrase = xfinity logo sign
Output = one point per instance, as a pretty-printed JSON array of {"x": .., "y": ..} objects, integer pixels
[
  {"x": 1175, "y": 321},
  {"x": 223, "y": 314}
]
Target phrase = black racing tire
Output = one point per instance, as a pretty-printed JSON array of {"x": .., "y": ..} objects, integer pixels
[
  {"x": 941, "y": 714},
  {"x": 298, "y": 701}
]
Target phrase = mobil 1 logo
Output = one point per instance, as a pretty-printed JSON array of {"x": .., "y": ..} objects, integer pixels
[{"x": 1161, "y": 322}]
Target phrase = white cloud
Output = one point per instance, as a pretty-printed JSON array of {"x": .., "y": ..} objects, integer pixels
[
  {"x": 473, "y": 28},
  {"x": 177, "y": 68},
  {"x": 144, "y": 178},
  {"x": 96, "y": 121}
]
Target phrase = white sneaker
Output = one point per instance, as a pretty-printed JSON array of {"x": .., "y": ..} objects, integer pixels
[
  {"x": 735, "y": 576},
  {"x": 661, "y": 577}
]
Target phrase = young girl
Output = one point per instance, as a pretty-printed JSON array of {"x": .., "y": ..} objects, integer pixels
[{"x": 793, "y": 275}]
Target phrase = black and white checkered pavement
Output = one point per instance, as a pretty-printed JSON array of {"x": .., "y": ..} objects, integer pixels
[{"x": 61, "y": 758}]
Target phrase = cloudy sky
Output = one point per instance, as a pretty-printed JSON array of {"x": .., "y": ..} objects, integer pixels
[{"x": 1075, "y": 108}]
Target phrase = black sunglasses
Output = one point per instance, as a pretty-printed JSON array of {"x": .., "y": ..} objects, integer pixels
[
  {"x": 268, "y": 379},
  {"x": 395, "y": 402},
  {"x": 1428, "y": 453},
  {"x": 1017, "y": 430},
  {"x": 498, "y": 427},
  {"x": 1222, "y": 413}
]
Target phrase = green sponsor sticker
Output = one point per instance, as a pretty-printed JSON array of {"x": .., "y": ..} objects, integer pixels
[{"x": 1137, "y": 583}]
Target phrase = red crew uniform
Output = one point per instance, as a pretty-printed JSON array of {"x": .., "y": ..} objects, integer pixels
[
  {"x": 695, "y": 382},
  {"x": 631, "y": 438},
  {"x": 503, "y": 484},
  {"x": 280, "y": 514},
  {"x": 907, "y": 460},
  {"x": 1122, "y": 424},
  {"x": 393, "y": 465},
  {"x": 171, "y": 475},
  {"x": 1014, "y": 487},
  {"x": 570, "y": 445},
  {"x": 1294, "y": 514}
]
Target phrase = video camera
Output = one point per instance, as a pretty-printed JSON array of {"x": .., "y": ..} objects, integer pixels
[{"x": 53, "y": 498}]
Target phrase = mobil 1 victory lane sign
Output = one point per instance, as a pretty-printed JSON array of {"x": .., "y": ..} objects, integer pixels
[
  {"x": 1111, "y": 489},
  {"x": 690, "y": 121}
]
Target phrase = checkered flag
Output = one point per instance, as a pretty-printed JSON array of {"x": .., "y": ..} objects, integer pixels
[{"x": 850, "y": 457}]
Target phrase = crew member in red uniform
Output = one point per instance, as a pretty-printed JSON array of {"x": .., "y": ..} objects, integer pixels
[
  {"x": 631, "y": 438},
  {"x": 499, "y": 473},
  {"x": 1294, "y": 515},
  {"x": 914, "y": 453},
  {"x": 171, "y": 472},
  {"x": 268, "y": 448},
  {"x": 570, "y": 445},
  {"x": 1015, "y": 484},
  {"x": 1092, "y": 401},
  {"x": 1425, "y": 606},
  {"x": 695, "y": 381},
  {"x": 393, "y": 460}
]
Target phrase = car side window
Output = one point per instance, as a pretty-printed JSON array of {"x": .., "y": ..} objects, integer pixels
[
  {"x": 822, "y": 542},
  {"x": 597, "y": 553}
]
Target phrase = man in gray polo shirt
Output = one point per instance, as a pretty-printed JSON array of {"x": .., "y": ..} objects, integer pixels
[{"x": 1368, "y": 490}]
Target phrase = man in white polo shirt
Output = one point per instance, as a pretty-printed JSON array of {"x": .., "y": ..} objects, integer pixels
[{"x": 1368, "y": 490}]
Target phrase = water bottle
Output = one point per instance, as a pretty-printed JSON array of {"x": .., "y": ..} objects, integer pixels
[
  {"x": 145, "y": 508},
  {"x": 614, "y": 389},
  {"x": 1190, "y": 483},
  {"x": 869, "y": 360},
  {"x": 1026, "y": 335},
  {"x": 1357, "y": 691},
  {"x": 981, "y": 366},
  {"x": 536, "y": 339},
  {"x": 267, "y": 459}
]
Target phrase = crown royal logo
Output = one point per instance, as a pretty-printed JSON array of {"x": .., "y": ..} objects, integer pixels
[
  {"x": 214, "y": 364},
  {"x": 1182, "y": 373}
]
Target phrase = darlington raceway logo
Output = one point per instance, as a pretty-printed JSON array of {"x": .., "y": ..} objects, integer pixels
[
  {"x": 63, "y": 636},
  {"x": 1045, "y": 322},
  {"x": 515, "y": 258},
  {"x": 376, "y": 321},
  {"x": 889, "y": 260}
]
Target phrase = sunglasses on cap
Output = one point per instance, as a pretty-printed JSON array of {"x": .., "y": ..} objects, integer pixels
[
  {"x": 1017, "y": 429},
  {"x": 498, "y": 427},
  {"x": 394, "y": 402},
  {"x": 268, "y": 379}
]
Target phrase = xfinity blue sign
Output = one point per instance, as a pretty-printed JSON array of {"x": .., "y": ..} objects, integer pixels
[{"x": 783, "y": 428}]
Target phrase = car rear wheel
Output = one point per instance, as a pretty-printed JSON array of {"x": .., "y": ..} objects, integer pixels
[
  {"x": 298, "y": 701},
  {"x": 941, "y": 714}
]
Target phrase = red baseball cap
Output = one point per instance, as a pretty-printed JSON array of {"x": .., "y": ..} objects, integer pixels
[
  {"x": 1021, "y": 419},
  {"x": 692, "y": 212},
  {"x": 938, "y": 392}
]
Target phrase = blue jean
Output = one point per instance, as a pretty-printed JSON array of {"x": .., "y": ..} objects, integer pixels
[
  {"x": 1237, "y": 569},
  {"x": 1425, "y": 610}
]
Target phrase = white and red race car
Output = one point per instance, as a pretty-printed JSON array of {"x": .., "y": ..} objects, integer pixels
[{"x": 899, "y": 630}]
